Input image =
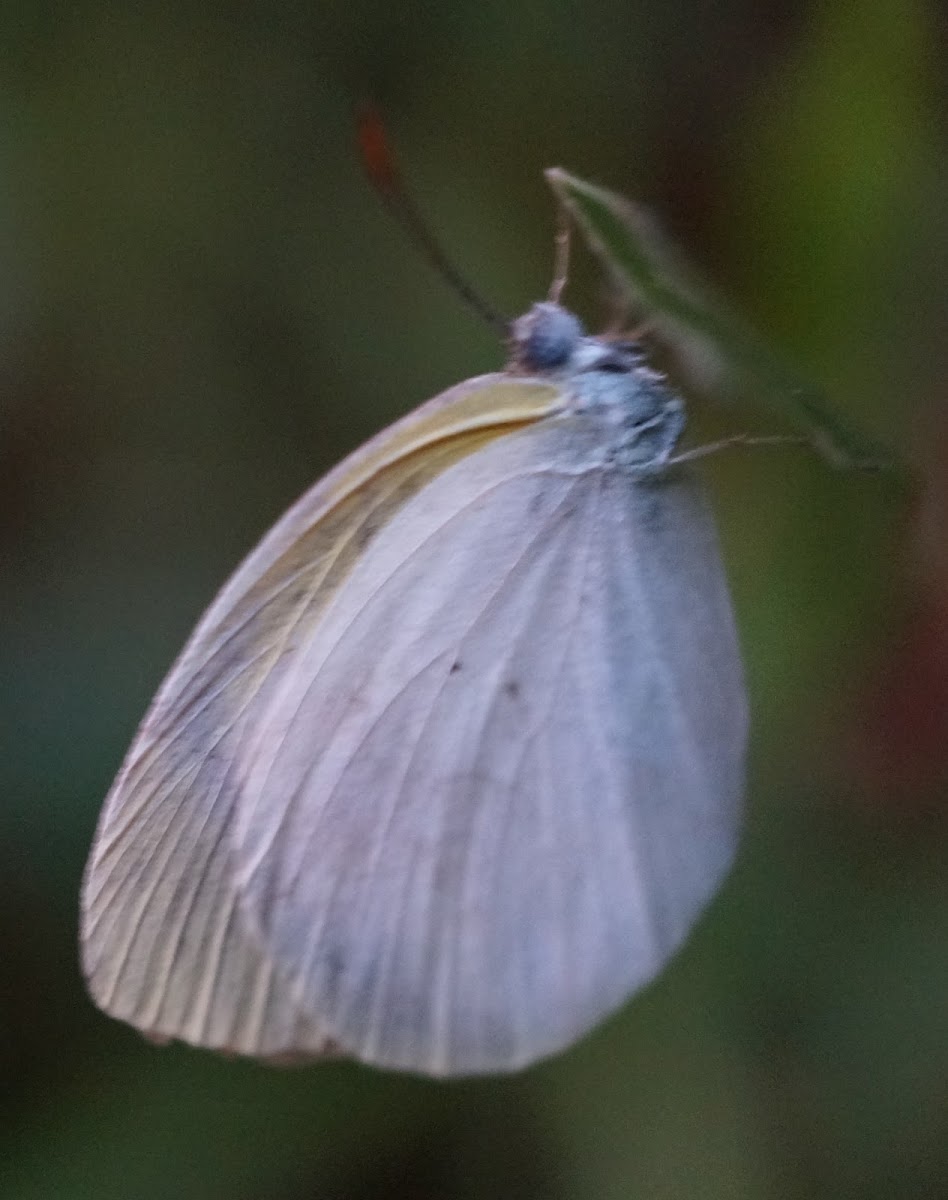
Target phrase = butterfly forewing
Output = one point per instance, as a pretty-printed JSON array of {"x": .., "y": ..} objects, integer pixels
[{"x": 165, "y": 943}]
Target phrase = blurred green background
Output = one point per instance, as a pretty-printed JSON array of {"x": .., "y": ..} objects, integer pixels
[{"x": 202, "y": 306}]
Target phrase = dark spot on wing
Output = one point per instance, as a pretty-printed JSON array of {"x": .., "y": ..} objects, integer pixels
[
  {"x": 455, "y": 667},
  {"x": 329, "y": 967},
  {"x": 512, "y": 689},
  {"x": 345, "y": 986}
]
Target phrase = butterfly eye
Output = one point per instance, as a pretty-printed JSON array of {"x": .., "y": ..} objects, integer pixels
[{"x": 545, "y": 338}]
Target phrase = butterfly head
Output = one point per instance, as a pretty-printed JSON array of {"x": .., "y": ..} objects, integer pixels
[{"x": 548, "y": 339}]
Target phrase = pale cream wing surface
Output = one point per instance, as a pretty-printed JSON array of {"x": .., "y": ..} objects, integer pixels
[
  {"x": 165, "y": 942},
  {"x": 503, "y": 776}
]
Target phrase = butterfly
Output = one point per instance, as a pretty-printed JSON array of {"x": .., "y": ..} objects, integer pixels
[{"x": 454, "y": 762}]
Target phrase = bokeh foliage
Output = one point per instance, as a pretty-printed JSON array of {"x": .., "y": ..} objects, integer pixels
[{"x": 202, "y": 307}]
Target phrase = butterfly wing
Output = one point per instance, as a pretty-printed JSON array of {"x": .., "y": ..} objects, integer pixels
[
  {"x": 165, "y": 943},
  {"x": 502, "y": 777}
]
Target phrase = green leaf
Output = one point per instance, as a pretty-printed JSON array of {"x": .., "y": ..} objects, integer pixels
[{"x": 712, "y": 345}]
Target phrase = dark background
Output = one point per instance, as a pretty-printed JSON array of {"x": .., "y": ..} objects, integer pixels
[{"x": 202, "y": 306}]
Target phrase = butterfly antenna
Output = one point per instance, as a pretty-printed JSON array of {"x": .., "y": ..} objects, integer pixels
[{"x": 385, "y": 177}]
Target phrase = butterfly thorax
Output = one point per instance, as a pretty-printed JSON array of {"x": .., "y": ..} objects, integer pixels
[{"x": 610, "y": 380}]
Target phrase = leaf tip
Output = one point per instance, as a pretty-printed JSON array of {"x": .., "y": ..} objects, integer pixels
[{"x": 560, "y": 181}]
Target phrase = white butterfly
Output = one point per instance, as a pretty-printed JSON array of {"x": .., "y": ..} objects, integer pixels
[{"x": 454, "y": 761}]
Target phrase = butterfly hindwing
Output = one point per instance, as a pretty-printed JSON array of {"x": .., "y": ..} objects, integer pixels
[{"x": 502, "y": 777}]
